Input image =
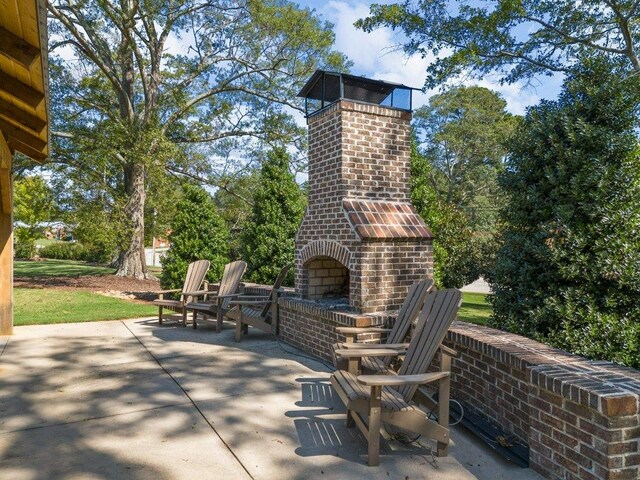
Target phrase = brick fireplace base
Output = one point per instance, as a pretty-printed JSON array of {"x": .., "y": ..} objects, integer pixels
[{"x": 312, "y": 328}]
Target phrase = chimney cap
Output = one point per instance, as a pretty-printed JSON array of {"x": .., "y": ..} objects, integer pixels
[{"x": 326, "y": 87}]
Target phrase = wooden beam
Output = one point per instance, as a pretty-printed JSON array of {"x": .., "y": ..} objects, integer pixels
[
  {"x": 5, "y": 190},
  {"x": 16, "y": 49},
  {"x": 25, "y": 136},
  {"x": 27, "y": 119},
  {"x": 6, "y": 257},
  {"x": 19, "y": 90},
  {"x": 17, "y": 145},
  {"x": 5, "y": 153}
]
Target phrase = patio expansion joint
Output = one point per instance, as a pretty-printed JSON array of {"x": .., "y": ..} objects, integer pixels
[
  {"x": 195, "y": 405},
  {"x": 98, "y": 417},
  {"x": 4, "y": 347}
]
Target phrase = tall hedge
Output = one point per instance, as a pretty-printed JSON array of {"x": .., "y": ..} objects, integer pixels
[
  {"x": 198, "y": 232},
  {"x": 268, "y": 236},
  {"x": 568, "y": 268}
]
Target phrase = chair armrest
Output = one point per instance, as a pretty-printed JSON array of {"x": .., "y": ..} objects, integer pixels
[
  {"x": 362, "y": 330},
  {"x": 398, "y": 380},
  {"x": 161, "y": 293},
  {"x": 369, "y": 352},
  {"x": 365, "y": 346},
  {"x": 449, "y": 351},
  {"x": 243, "y": 301},
  {"x": 197, "y": 293},
  {"x": 219, "y": 298}
]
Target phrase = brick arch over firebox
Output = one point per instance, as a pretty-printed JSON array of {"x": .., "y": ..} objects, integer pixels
[{"x": 326, "y": 248}]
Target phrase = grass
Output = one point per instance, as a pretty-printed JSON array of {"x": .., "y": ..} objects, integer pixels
[
  {"x": 57, "y": 268},
  {"x": 45, "y": 242},
  {"x": 475, "y": 308},
  {"x": 44, "y": 306}
]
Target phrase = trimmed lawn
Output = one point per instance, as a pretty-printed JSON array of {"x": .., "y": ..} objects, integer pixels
[
  {"x": 57, "y": 268},
  {"x": 45, "y": 242},
  {"x": 42, "y": 306},
  {"x": 475, "y": 308}
]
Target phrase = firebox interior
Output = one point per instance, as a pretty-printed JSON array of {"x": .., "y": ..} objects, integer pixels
[{"x": 328, "y": 278}]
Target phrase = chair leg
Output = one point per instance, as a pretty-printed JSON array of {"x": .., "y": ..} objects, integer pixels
[
  {"x": 374, "y": 426},
  {"x": 195, "y": 319},
  {"x": 160, "y": 315},
  {"x": 184, "y": 317},
  {"x": 350, "y": 421},
  {"x": 444, "y": 389},
  {"x": 238, "y": 329},
  {"x": 219, "y": 316}
]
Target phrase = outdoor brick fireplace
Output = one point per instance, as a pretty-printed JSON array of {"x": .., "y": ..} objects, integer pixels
[
  {"x": 361, "y": 243},
  {"x": 360, "y": 238}
]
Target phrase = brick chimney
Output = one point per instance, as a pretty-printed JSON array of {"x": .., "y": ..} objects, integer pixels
[{"x": 360, "y": 238}]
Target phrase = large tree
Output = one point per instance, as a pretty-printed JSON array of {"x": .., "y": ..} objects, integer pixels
[
  {"x": 568, "y": 269},
  {"x": 518, "y": 38},
  {"x": 459, "y": 153},
  {"x": 142, "y": 88},
  {"x": 462, "y": 133}
]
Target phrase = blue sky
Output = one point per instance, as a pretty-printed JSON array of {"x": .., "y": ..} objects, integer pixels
[{"x": 373, "y": 55}]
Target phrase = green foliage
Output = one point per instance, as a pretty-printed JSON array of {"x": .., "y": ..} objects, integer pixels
[
  {"x": 24, "y": 246},
  {"x": 462, "y": 134},
  {"x": 197, "y": 233},
  {"x": 97, "y": 231},
  {"x": 63, "y": 251},
  {"x": 516, "y": 38},
  {"x": 134, "y": 108},
  {"x": 74, "y": 251},
  {"x": 455, "y": 263},
  {"x": 33, "y": 205},
  {"x": 268, "y": 237},
  {"x": 234, "y": 200},
  {"x": 454, "y": 177},
  {"x": 568, "y": 269}
]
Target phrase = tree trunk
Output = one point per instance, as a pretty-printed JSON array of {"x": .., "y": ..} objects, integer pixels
[{"x": 131, "y": 262}]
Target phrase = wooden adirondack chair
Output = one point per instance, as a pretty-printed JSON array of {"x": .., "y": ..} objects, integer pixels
[
  {"x": 408, "y": 312},
  {"x": 257, "y": 311},
  {"x": 193, "y": 281},
  {"x": 215, "y": 302},
  {"x": 388, "y": 398}
]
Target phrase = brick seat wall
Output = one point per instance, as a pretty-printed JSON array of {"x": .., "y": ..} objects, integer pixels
[{"x": 580, "y": 418}]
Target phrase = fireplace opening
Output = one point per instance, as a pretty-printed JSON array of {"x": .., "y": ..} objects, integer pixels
[{"x": 328, "y": 279}]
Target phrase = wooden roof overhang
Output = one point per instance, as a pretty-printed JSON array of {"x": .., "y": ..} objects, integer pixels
[
  {"x": 24, "y": 118},
  {"x": 24, "y": 104}
]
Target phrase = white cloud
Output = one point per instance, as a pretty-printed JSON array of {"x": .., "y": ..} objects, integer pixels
[{"x": 374, "y": 54}]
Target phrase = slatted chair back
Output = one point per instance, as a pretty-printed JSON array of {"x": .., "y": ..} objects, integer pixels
[
  {"x": 195, "y": 275},
  {"x": 230, "y": 281},
  {"x": 440, "y": 309},
  {"x": 276, "y": 285},
  {"x": 409, "y": 310}
]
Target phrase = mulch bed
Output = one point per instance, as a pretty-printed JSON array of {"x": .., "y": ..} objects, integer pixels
[{"x": 110, "y": 285}]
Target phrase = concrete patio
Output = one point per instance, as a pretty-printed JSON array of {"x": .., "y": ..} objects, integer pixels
[{"x": 133, "y": 400}]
